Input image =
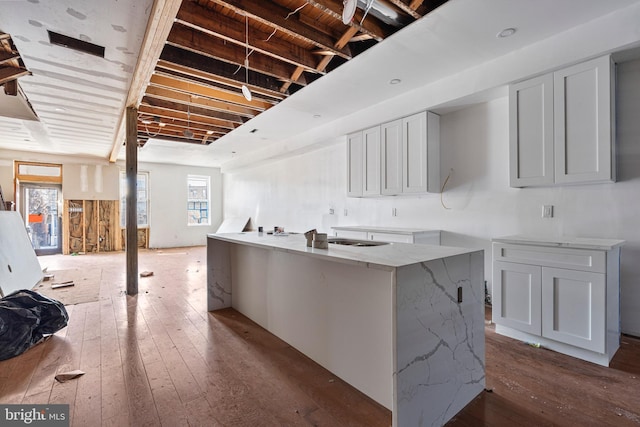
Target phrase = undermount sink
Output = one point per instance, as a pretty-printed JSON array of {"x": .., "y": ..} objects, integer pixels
[{"x": 353, "y": 242}]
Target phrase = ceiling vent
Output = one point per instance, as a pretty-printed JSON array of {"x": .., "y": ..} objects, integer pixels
[{"x": 75, "y": 44}]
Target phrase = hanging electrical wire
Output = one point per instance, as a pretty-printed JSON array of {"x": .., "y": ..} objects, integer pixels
[{"x": 442, "y": 189}]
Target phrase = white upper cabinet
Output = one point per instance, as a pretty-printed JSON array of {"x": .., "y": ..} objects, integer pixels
[
  {"x": 391, "y": 140},
  {"x": 531, "y": 132},
  {"x": 371, "y": 166},
  {"x": 561, "y": 128},
  {"x": 354, "y": 165},
  {"x": 421, "y": 153},
  {"x": 398, "y": 157},
  {"x": 583, "y": 107}
]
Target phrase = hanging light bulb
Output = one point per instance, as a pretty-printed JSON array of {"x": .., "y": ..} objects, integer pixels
[
  {"x": 348, "y": 11},
  {"x": 246, "y": 92}
]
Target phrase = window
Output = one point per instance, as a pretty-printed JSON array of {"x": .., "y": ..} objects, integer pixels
[
  {"x": 143, "y": 199},
  {"x": 198, "y": 196}
]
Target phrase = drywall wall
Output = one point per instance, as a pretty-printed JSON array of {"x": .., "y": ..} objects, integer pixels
[
  {"x": 477, "y": 204},
  {"x": 168, "y": 205},
  {"x": 90, "y": 182}
]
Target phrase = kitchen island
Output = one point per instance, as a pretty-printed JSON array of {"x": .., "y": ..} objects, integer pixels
[{"x": 402, "y": 323}]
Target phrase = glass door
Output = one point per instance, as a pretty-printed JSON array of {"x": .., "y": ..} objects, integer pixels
[{"x": 42, "y": 215}]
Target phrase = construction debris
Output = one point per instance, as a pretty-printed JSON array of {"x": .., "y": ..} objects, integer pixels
[
  {"x": 146, "y": 274},
  {"x": 62, "y": 284},
  {"x": 66, "y": 376}
]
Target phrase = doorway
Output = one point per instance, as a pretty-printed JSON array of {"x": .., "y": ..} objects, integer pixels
[{"x": 41, "y": 210}]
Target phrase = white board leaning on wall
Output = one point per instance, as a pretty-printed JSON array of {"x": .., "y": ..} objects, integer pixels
[{"x": 19, "y": 266}]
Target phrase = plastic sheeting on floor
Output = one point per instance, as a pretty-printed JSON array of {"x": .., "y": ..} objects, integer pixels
[{"x": 25, "y": 318}]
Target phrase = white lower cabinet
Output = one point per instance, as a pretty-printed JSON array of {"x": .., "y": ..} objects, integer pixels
[
  {"x": 566, "y": 299},
  {"x": 573, "y": 307},
  {"x": 391, "y": 235}
]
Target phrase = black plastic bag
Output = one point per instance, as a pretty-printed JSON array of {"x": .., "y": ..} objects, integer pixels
[{"x": 25, "y": 318}]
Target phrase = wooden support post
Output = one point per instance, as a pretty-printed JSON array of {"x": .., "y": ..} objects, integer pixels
[{"x": 132, "y": 200}]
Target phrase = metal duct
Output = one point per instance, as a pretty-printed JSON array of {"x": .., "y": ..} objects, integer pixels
[{"x": 385, "y": 12}]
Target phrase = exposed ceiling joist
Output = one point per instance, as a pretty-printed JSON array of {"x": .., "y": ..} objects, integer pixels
[{"x": 213, "y": 48}]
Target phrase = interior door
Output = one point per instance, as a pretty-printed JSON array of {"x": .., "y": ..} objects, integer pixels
[{"x": 43, "y": 217}]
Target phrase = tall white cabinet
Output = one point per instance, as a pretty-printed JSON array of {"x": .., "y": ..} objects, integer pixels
[
  {"x": 560, "y": 292},
  {"x": 562, "y": 127}
]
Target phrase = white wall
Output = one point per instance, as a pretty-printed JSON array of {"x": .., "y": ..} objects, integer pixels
[
  {"x": 298, "y": 192},
  {"x": 168, "y": 205}
]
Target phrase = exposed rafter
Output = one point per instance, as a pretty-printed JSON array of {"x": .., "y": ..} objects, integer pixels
[{"x": 199, "y": 53}]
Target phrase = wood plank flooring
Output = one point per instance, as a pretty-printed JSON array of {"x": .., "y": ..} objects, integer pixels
[{"x": 160, "y": 359}]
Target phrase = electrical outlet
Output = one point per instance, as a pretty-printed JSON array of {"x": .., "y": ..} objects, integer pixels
[
  {"x": 547, "y": 211},
  {"x": 331, "y": 211},
  {"x": 394, "y": 212}
]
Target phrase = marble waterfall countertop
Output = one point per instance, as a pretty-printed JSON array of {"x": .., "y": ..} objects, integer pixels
[
  {"x": 561, "y": 241},
  {"x": 385, "y": 257}
]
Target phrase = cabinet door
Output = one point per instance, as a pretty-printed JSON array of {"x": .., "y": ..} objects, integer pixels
[
  {"x": 391, "y": 142},
  {"x": 371, "y": 152},
  {"x": 516, "y": 296},
  {"x": 531, "y": 132},
  {"x": 354, "y": 165},
  {"x": 573, "y": 307},
  {"x": 583, "y": 124},
  {"x": 414, "y": 153}
]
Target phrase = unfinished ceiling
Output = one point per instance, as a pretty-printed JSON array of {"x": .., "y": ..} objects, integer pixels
[
  {"x": 273, "y": 47},
  {"x": 306, "y": 69}
]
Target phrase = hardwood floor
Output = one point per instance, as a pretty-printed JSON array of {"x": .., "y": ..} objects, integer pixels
[{"x": 160, "y": 358}]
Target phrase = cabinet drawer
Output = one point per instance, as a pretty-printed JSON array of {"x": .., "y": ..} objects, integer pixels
[
  {"x": 573, "y": 259},
  {"x": 390, "y": 237},
  {"x": 350, "y": 234}
]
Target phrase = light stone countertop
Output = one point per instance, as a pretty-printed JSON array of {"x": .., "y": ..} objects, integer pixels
[
  {"x": 561, "y": 241},
  {"x": 385, "y": 257}
]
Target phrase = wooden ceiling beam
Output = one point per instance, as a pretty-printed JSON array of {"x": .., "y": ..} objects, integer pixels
[
  {"x": 407, "y": 8},
  {"x": 415, "y": 4},
  {"x": 10, "y": 73},
  {"x": 178, "y": 97},
  {"x": 177, "y": 126},
  {"x": 269, "y": 13},
  {"x": 160, "y": 21},
  {"x": 231, "y": 30},
  {"x": 11, "y": 88},
  {"x": 181, "y": 70},
  {"x": 193, "y": 100},
  {"x": 196, "y": 41},
  {"x": 222, "y": 72},
  {"x": 369, "y": 26},
  {"x": 232, "y": 120},
  {"x": 197, "y": 89},
  {"x": 169, "y": 114},
  {"x": 7, "y": 56}
]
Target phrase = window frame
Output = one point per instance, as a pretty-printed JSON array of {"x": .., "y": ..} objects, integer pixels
[{"x": 195, "y": 204}]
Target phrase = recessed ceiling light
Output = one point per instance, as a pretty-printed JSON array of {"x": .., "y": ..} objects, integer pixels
[
  {"x": 316, "y": 116},
  {"x": 394, "y": 81},
  {"x": 507, "y": 32},
  {"x": 59, "y": 109}
]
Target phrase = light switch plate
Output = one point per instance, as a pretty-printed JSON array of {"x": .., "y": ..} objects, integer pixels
[{"x": 547, "y": 211}]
